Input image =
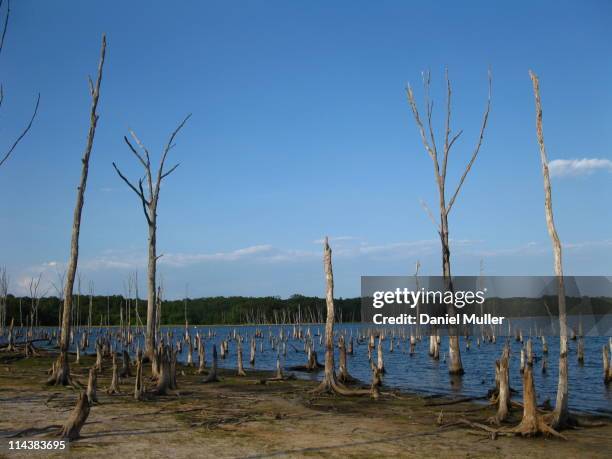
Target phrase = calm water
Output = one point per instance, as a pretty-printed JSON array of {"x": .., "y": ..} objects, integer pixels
[{"x": 419, "y": 373}]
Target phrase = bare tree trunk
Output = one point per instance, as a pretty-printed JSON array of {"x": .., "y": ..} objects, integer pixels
[
  {"x": 212, "y": 375},
  {"x": 98, "y": 364},
  {"x": 61, "y": 375},
  {"x": 201, "y": 356},
  {"x": 532, "y": 423},
  {"x": 329, "y": 383},
  {"x": 241, "y": 371},
  {"x": 114, "y": 387},
  {"x": 503, "y": 394},
  {"x": 149, "y": 205},
  {"x": 164, "y": 379},
  {"x": 151, "y": 287},
  {"x": 92, "y": 386},
  {"x": 138, "y": 385},
  {"x": 329, "y": 378},
  {"x": 380, "y": 365},
  {"x": 74, "y": 424},
  {"x": 561, "y": 412},
  {"x": 125, "y": 372},
  {"x": 344, "y": 375},
  {"x": 607, "y": 368}
]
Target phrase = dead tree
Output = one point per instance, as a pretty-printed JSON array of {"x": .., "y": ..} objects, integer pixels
[
  {"x": 241, "y": 371},
  {"x": 114, "y": 387},
  {"x": 61, "y": 374},
  {"x": 92, "y": 386},
  {"x": 329, "y": 382},
  {"x": 126, "y": 371},
  {"x": 163, "y": 358},
  {"x": 72, "y": 428},
  {"x": 139, "y": 383},
  {"x": 561, "y": 412},
  {"x": 440, "y": 166},
  {"x": 607, "y": 368},
  {"x": 212, "y": 374},
  {"x": 343, "y": 373},
  {"x": 532, "y": 423},
  {"x": 4, "y": 157},
  {"x": 98, "y": 364},
  {"x": 4, "y": 285},
  {"x": 201, "y": 357},
  {"x": 502, "y": 378},
  {"x": 149, "y": 200}
]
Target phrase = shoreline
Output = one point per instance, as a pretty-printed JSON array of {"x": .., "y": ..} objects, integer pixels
[{"x": 240, "y": 417}]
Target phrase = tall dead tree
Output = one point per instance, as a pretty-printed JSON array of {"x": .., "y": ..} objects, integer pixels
[
  {"x": 5, "y": 156},
  {"x": 561, "y": 412},
  {"x": 440, "y": 167},
  {"x": 61, "y": 372},
  {"x": 149, "y": 199},
  {"x": 330, "y": 383}
]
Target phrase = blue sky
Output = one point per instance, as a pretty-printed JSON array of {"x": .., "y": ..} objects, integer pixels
[{"x": 300, "y": 129}]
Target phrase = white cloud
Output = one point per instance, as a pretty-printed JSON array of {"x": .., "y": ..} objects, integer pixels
[{"x": 575, "y": 167}]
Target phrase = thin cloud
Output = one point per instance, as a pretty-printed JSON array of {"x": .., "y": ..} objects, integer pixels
[{"x": 576, "y": 167}]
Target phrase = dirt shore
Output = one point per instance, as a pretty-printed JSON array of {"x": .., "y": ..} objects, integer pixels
[{"x": 239, "y": 417}]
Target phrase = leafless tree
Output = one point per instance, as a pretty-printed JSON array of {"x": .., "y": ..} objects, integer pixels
[
  {"x": 59, "y": 286},
  {"x": 5, "y": 156},
  {"x": 561, "y": 412},
  {"x": 149, "y": 199},
  {"x": 61, "y": 369},
  {"x": 440, "y": 168},
  {"x": 4, "y": 285},
  {"x": 35, "y": 296}
]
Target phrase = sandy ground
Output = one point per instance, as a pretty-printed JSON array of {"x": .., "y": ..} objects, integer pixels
[{"x": 238, "y": 417}]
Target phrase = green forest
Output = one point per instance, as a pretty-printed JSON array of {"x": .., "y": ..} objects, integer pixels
[{"x": 109, "y": 310}]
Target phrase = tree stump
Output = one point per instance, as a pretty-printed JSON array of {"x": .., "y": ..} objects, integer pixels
[
  {"x": 92, "y": 386},
  {"x": 114, "y": 387},
  {"x": 212, "y": 375},
  {"x": 72, "y": 428}
]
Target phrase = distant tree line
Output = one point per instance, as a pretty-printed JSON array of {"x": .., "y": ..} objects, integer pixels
[{"x": 200, "y": 311}]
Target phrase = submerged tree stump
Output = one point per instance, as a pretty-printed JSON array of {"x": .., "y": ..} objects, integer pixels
[
  {"x": 607, "y": 366},
  {"x": 502, "y": 376},
  {"x": 212, "y": 375},
  {"x": 241, "y": 371}
]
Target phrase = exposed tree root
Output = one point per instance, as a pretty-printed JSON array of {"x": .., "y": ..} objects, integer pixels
[{"x": 72, "y": 428}]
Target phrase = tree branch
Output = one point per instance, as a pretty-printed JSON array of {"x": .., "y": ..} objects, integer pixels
[
  {"x": 25, "y": 131},
  {"x": 431, "y": 217},
  {"x": 476, "y": 149}
]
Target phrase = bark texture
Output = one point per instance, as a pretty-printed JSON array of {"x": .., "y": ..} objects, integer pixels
[
  {"x": 561, "y": 412},
  {"x": 61, "y": 370}
]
